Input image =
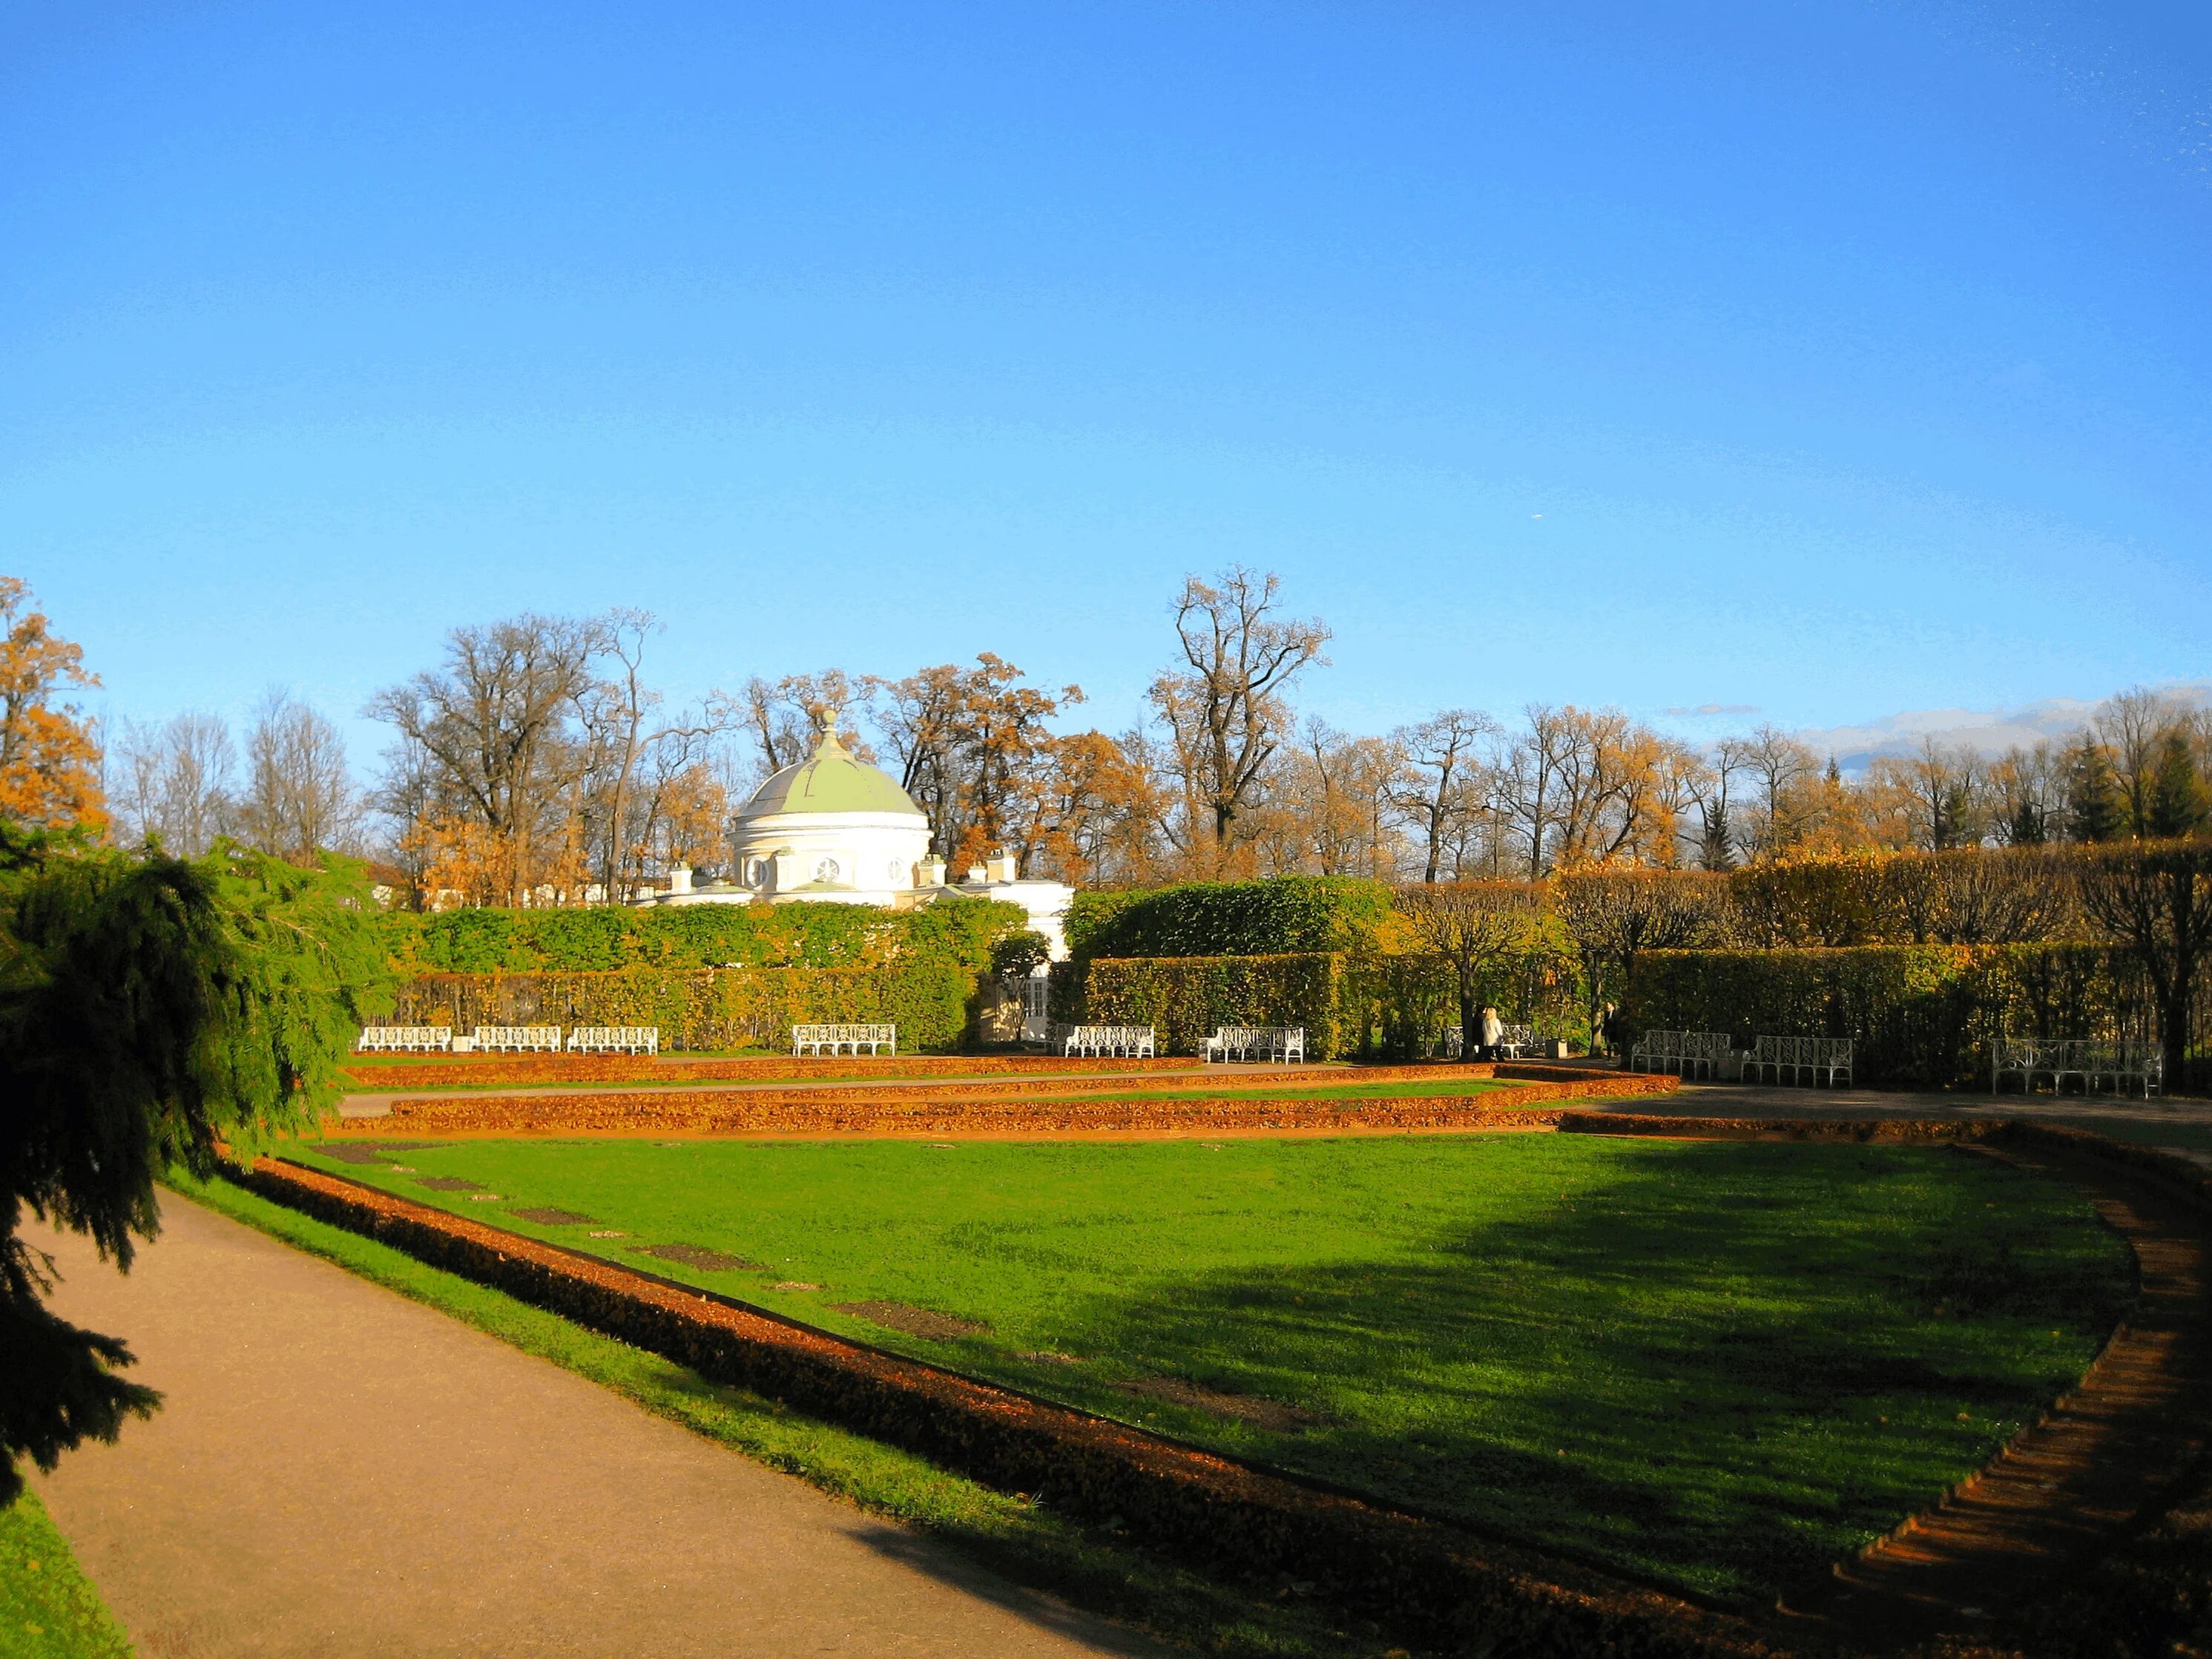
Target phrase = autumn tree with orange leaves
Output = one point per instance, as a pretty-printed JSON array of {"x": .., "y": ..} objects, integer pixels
[{"x": 49, "y": 758}]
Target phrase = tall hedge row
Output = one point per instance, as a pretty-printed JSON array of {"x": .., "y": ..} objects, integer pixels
[
  {"x": 602, "y": 938},
  {"x": 707, "y": 1007},
  {"x": 1350, "y": 1004},
  {"x": 1282, "y": 916},
  {"x": 1924, "y": 1016}
]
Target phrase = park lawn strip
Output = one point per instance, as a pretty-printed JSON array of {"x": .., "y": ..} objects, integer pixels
[
  {"x": 1016, "y": 1536},
  {"x": 1719, "y": 1366},
  {"x": 48, "y": 1608}
]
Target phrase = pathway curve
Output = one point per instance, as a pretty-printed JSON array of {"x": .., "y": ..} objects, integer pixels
[
  {"x": 2107, "y": 1452},
  {"x": 339, "y": 1471}
]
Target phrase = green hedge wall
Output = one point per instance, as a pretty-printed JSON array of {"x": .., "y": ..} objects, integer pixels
[
  {"x": 707, "y": 1007},
  {"x": 1282, "y": 916},
  {"x": 603, "y": 938},
  {"x": 1351, "y": 1004},
  {"x": 1922, "y": 1015}
]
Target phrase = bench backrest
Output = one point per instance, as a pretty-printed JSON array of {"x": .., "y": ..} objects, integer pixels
[
  {"x": 374, "y": 1037},
  {"x": 1801, "y": 1050}
]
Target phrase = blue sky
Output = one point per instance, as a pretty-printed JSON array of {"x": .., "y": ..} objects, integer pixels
[{"x": 1829, "y": 361}]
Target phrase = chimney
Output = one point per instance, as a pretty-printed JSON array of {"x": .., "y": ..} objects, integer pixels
[
  {"x": 1007, "y": 867},
  {"x": 933, "y": 871},
  {"x": 976, "y": 876},
  {"x": 679, "y": 880}
]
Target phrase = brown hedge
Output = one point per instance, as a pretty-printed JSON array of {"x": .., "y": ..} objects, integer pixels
[
  {"x": 1009, "y": 1110},
  {"x": 1438, "y": 1583}
]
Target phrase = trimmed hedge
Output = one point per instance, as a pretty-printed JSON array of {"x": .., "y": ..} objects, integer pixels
[
  {"x": 707, "y": 1007},
  {"x": 601, "y": 939},
  {"x": 1924, "y": 1016},
  {"x": 1281, "y": 915},
  {"x": 1352, "y": 1005}
]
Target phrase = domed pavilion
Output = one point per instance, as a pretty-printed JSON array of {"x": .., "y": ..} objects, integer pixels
[{"x": 835, "y": 829}]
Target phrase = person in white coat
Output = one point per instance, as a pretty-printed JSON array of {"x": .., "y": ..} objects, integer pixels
[{"x": 1493, "y": 1033}]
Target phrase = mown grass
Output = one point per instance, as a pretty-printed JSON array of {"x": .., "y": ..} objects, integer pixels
[
  {"x": 1023, "y": 1539},
  {"x": 1720, "y": 1365},
  {"x": 48, "y": 1608}
]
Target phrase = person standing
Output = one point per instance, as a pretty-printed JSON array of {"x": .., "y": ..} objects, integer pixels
[{"x": 1493, "y": 1033}]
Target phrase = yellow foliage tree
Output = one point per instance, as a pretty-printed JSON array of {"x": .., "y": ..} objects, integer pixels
[{"x": 48, "y": 759}]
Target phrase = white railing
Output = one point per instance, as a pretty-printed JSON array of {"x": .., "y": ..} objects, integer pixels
[
  {"x": 2126, "y": 1064},
  {"x": 840, "y": 1039},
  {"x": 1284, "y": 1044},
  {"x": 1798, "y": 1060},
  {"x": 405, "y": 1039},
  {"x": 1126, "y": 1042},
  {"x": 615, "y": 1040},
  {"x": 517, "y": 1039}
]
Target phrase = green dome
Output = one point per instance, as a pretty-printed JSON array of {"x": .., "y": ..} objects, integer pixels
[{"x": 830, "y": 780}]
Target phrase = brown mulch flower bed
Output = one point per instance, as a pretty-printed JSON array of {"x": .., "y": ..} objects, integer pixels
[
  {"x": 881, "y": 1111},
  {"x": 458, "y": 1071}
]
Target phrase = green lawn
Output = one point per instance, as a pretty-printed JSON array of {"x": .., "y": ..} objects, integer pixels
[
  {"x": 48, "y": 1610},
  {"x": 1718, "y": 1364}
]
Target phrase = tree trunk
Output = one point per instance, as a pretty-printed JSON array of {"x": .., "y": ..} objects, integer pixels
[{"x": 1470, "y": 1023}]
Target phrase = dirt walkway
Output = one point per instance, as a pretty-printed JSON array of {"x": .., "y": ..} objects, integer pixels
[{"x": 339, "y": 1471}]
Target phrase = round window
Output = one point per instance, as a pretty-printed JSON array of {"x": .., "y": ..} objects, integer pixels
[
  {"x": 827, "y": 870},
  {"x": 756, "y": 872}
]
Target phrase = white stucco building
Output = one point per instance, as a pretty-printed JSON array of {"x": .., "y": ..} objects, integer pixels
[{"x": 835, "y": 829}]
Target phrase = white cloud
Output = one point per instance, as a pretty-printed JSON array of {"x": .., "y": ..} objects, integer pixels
[{"x": 1988, "y": 731}]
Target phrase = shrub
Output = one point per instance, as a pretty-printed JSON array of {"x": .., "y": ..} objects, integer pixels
[{"x": 1281, "y": 915}]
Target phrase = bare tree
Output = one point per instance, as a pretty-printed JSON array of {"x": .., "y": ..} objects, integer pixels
[
  {"x": 300, "y": 798},
  {"x": 491, "y": 744},
  {"x": 1442, "y": 786},
  {"x": 1711, "y": 789},
  {"x": 2131, "y": 726},
  {"x": 1475, "y": 926},
  {"x": 2157, "y": 898},
  {"x": 1225, "y": 711},
  {"x": 177, "y": 783},
  {"x": 784, "y": 717},
  {"x": 1782, "y": 769},
  {"x": 1939, "y": 792},
  {"x": 1614, "y": 916}
]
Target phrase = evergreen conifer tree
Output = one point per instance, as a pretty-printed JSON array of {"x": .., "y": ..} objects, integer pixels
[
  {"x": 151, "y": 1011},
  {"x": 2092, "y": 796},
  {"x": 2179, "y": 805}
]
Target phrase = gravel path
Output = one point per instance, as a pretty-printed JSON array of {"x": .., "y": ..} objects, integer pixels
[{"x": 339, "y": 1471}]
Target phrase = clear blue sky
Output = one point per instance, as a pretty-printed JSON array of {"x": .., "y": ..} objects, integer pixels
[{"x": 1827, "y": 360}]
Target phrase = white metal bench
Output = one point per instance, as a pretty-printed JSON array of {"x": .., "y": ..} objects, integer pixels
[
  {"x": 517, "y": 1039},
  {"x": 2120, "y": 1063},
  {"x": 615, "y": 1040},
  {"x": 1126, "y": 1042},
  {"x": 1513, "y": 1042},
  {"x": 405, "y": 1039},
  {"x": 1799, "y": 1060},
  {"x": 1689, "y": 1056},
  {"x": 1284, "y": 1044},
  {"x": 841, "y": 1039}
]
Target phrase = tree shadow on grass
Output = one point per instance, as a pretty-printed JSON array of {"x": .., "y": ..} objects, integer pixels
[{"x": 1720, "y": 1385}]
